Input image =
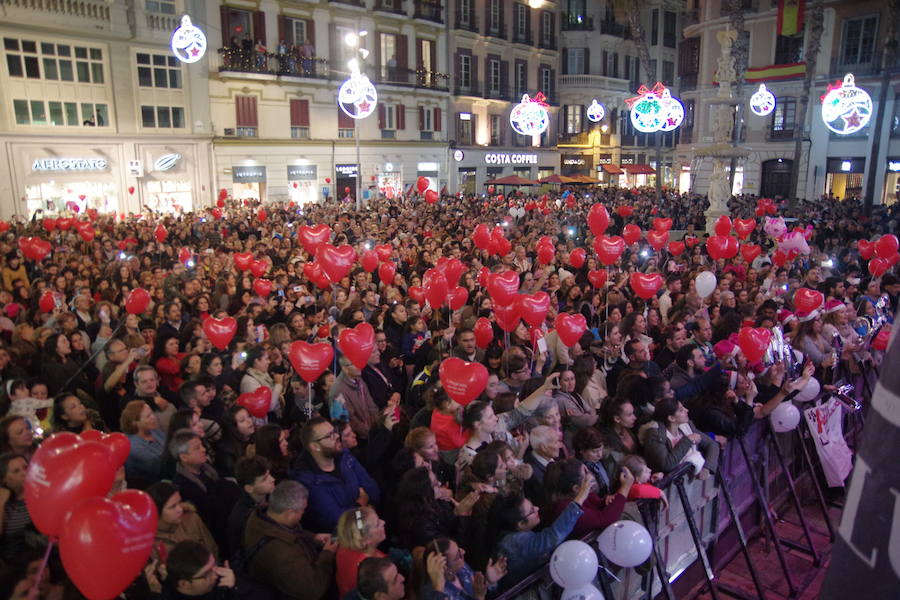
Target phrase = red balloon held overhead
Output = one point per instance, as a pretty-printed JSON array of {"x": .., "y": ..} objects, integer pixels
[
  {"x": 220, "y": 203},
  {"x": 645, "y": 285},
  {"x": 347, "y": 190},
  {"x": 49, "y": 224},
  {"x": 625, "y": 211},
  {"x": 47, "y": 302},
  {"x": 691, "y": 241},
  {"x": 570, "y": 328},
  {"x": 458, "y": 297},
  {"x": 328, "y": 180},
  {"x": 386, "y": 272},
  {"x": 384, "y": 251},
  {"x": 807, "y": 300},
  {"x": 436, "y": 287},
  {"x": 657, "y": 239},
  {"x": 631, "y": 234},
  {"x": 310, "y": 360},
  {"x": 507, "y": 317},
  {"x": 484, "y": 332},
  {"x": 533, "y": 307},
  {"x": 779, "y": 258},
  {"x": 369, "y": 261},
  {"x": 462, "y": 381},
  {"x": 87, "y": 233},
  {"x": 121, "y": 245},
  {"x": 676, "y": 248},
  {"x": 609, "y": 249},
  {"x": 242, "y": 260},
  {"x": 597, "y": 277},
  {"x": 886, "y": 246},
  {"x": 483, "y": 275},
  {"x": 262, "y": 287},
  {"x": 722, "y": 246},
  {"x": 660, "y": 224},
  {"x": 65, "y": 223},
  {"x": 749, "y": 252},
  {"x": 336, "y": 261},
  {"x": 220, "y": 332},
  {"x": 101, "y": 531},
  {"x": 744, "y": 227},
  {"x": 545, "y": 255},
  {"x": 866, "y": 249},
  {"x": 34, "y": 248},
  {"x": 723, "y": 225},
  {"x": 258, "y": 402},
  {"x": 431, "y": 196},
  {"x": 598, "y": 219},
  {"x": 452, "y": 268},
  {"x": 131, "y": 190},
  {"x": 259, "y": 267},
  {"x": 184, "y": 255},
  {"x": 216, "y": 213},
  {"x": 421, "y": 184},
  {"x": 4, "y": 226},
  {"x": 577, "y": 257},
  {"x": 161, "y": 233},
  {"x": 878, "y": 267},
  {"x": 503, "y": 287},
  {"x": 417, "y": 293},
  {"x": 137, "y": 301},
  {"x": 754, "y": 342},
  {"x": 262, "y": 215},
  {"x": 357, "y": 344},
  {"x": 313, "y": 237}
]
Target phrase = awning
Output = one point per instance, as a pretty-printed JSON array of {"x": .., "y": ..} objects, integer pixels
[
  {"x": 585, "y": 179},
  {"x": 557, "y": 179},
  {"x": 639, "y": 169},
  {"x": 612, "y": 169},
  {"x": 511, "y": 180}
]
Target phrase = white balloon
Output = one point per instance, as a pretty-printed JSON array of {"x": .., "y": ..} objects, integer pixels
[
  {"x": 705, "y": 283},
  {"x": 625, "y": 543},
  {"x": 573, "y": 565},
  {"x": 785, "y": 417},
  {"x": 810, "y": 391},
  {"x": 587, "y": 592}
]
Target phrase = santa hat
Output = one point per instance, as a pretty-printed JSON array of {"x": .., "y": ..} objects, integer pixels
[
  {"x": 833, "y": 305},
  {"x": 803, "y": 317},
  {"x": 725, "y": 350},
  {"x": 785, "y": 316}
]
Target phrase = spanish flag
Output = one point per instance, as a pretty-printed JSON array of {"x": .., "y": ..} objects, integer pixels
[{"x": 790, "y": 16}]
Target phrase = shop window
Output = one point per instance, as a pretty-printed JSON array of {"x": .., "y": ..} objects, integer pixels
[
  {"x": 26, "y": 58},
  {"x": 162, "y": 117},
  {"x": 158, "y": 70},
  {"x": 60, "y": 114}
]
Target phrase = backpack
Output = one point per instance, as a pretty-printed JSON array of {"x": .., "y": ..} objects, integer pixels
[{"x": 247, "y": 587}]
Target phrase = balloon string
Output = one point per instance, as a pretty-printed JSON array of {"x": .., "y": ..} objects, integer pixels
[
  {"x": 309, "y": 406},
  {"x": 35, "y": 590}
]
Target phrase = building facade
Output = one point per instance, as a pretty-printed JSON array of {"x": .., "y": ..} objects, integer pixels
[
  {"x": 600, "y": 61},
  {"x": 842, "y": 166},
  {"x": 96, "y": 112}
]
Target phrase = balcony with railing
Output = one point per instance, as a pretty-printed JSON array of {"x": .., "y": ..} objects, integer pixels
[
  {"x": 428, "y": 11},
  {"x": 594, "y": 81},
  {"x": 548, "y": 43},
  {"x": 417, "y": 78},
  {"x": 359, "y": 3},
  {"x": 94, "y": 10},
  {"x": 390, "y": 6},
  {"x": 522, "y": 37},
  {"x": 581, "y": 138},
  {"x": 576, "y": 22},
  {"x": 496, "y": 91},
  {"x": 615, "y": 29},
  {"x": 781, "y": 134}
]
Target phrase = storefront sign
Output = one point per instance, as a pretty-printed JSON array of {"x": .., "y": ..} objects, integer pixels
[
  {"x": 136, "y": 168},
  {"x": 845, "y": 165},
  {"x": 254, "y": 174},
  {"x": 302, "y": 172},
  {"x": 166, "y": 162},
  {"x": 893, "y": 165},
  {"x": 577, "y": 162},
  {"x": 510, "y": 159},
  {"x": 346, "y": 170},
  {"x": 604, "y": 159},
  {"x": 458, "y": 155},
  {"x": 70, "y": 164},
  {"x": 626, "y": 160}
]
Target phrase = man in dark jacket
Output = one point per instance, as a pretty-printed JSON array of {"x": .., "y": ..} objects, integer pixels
[
  {"x": 252, "y": 474},
  {"x": 191, "y": 572},
  {"x": 293, "y": 561},
  {"x": 334, "y": 477}
]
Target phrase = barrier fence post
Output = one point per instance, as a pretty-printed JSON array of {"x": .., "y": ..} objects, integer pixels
[{"x": 697, "y": 537}]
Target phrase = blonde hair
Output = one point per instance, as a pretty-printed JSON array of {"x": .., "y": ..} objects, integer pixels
[
  {"x": 416, "y": 438},
  {"x": 131, "y": 414},
  {"x": 352, "y": 529}
]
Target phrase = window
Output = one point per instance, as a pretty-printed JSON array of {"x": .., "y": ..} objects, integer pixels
[
  {"x": 547, "y": 28},
  {"x": 465, "y": 128},
  {"x": 496, "y": 131},
  {"x": 858, "y": 46},
  {"x": 465, "y": 71},
  {"x": 785, "y": 115},
  {"x": 668, "y": 72},
  {"x": 388, "y": 46},
  {"x": 575, "y": 61},
  {"x": 494, "y": 16},
  {"x": 653, "y": 70},
  {"x": 521, "y": 79},
  {"x": 426, "y": 118},
  {"x": 521, "y": 22},
  {"x": 669, "y": 30},
  {"x": 298, "y": 30},
  {"x": 546, "y": 80},
  {"x": 24, "y": 59},
  {"x": 246, "y": 117},
  {"x": 299, "y": 119},
  {"x": 573, "y": 118},
  {"x": 162, "y": 117},
  {"x": 167, "y": 7},
  {"x": 654, "y": 27},
  {"x": 389, "y": 120},
  {"x": 464, "y": 15},
  {"x": 494, "y": 76},
  {"x": 610, "y": 64},
  {"x": 59, "y": 114},
  {"x": 158, "y": 70},
  {"x": 788, "y": 49}
]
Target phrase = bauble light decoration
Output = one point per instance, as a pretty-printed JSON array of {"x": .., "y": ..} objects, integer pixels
[
  {"x": 655, "y": 109},
  {"x": 188, "y": 41},
  {"x": 595, "y": 112},
  {"x": 673, "y": 112},
  {"x": 357, "y": 96},
  {"x": 530, "y": 117},
  {"x": 846, "y": 108},
  {"x": 762, "y": 102}
]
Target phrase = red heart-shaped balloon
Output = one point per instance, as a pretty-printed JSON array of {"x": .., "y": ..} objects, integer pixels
[
  {"x": 220, "y": 332},
  {"x": 452, "y": 268},
  {"x": 185, "y": 254},
  {"x": 483, "y": 275},
  {"x": 723, "y": 225},
  {"x": 357, "y": 344},
  {"x": 463, "y": 381},
  {"x": 570, "y": 328},
  {"x": 369, "y": 261},
  {"x": 722, "y": 246},
  {"x": 161, "y": 233},
  {"x": 866, "y": 249},
  {"x": 609, "y": 249},
  {"x": 598, "y": 219},
  {"x": 431, "y": 196},
  {"x": 4, "y": 226},
  {"x": 34, "y": 248},
  {"x": 47, "y": 302},
  {"x": 878, "y": 267},
  {"x": 458, "y": 297},
  {"x": 676, "y": 248},
  {"x": 242, "y": 260},
  {"x": 631, "y": 234},
  {"x": 807, "y": 300},
  {"x": 262, "y": 215},
  {"x": 259, "y": 267},
  {"x": 100, "y": 532},
  {"x": 507, "y": 317},
  {"x": 386, "y": 272},
  {"x": 49, "y": 224},
  {"x": 886, "y": 246},
  {"x": 62, "y": 474},
  {"x": 336, "y": 261},
  {"x": 481, "y": 236},
  {"x": 545, "y": 255},
  {"x": 503, "y": 287},
  {"x": 577, "y": 257},
  {"x": 118, "y": 444},
  {"x": 384, "y": 251},
  {"x": 657, "y": 239},
  {"x": 533, "y": 307},
  {"x": 662, "y": 224},
  {"x": 754, "y": 342},
  {"x": 484, "y": 332},
  {"x": 417, "y": 293},
  {"x": 598, "y": 277},
  {"x": 65, "y": 223},
  {"x": 691, "y": 241},
  {"x": 313, "y": 237},
  {"x": 436, "y": 288},
  {"x": 310, "y": 360},
  {"x": 137, "y": 301},
  {"x": 645, "y": 285},
  {"x": 421, "y": 184},
  {"x": 744, "y": 227},
  {"x": 258, "y": 402},
  {"x": 625, "y": 211},
  {"x": 749, "y": 252},
  {"x": 262, "y": 287},
  {"x": 499, "y": 245},
  {"x": 779, "y": 257}
]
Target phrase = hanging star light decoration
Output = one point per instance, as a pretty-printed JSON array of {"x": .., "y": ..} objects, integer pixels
[
  {"x": 655, "y": 109},
  {"x": 846, "y": 108},
  {"x": 530, "y": 116},
  {"x": 762, "y": 102},
  {"x": 595, "y": 112},
  {"x": 188, "y": 41},
  {"x": 357, "y": 96}
]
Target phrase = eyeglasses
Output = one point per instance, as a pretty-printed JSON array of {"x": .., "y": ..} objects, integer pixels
[
  {"x": 207, "y": 575},
  {"x": 331, "y": 434}
]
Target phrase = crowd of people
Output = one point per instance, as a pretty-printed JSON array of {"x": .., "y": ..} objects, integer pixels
[{"x": 372, "y": 482}]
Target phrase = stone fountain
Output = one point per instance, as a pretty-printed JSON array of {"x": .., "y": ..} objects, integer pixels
[{"x": 722, "y": 149}]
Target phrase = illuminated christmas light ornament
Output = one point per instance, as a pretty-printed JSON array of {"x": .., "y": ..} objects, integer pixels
[
  {"x": 595, "y": 112},
  {"x": 651, "y": 109},
  {"x": 846, "y": 108},
  {"x": 530, "y": 116},
  {"x": 188, "y": 41},
  {"x": 762, "y": 102},
  {"x": 357, "y": 96},
  {"x": 673, "y": 112}
]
